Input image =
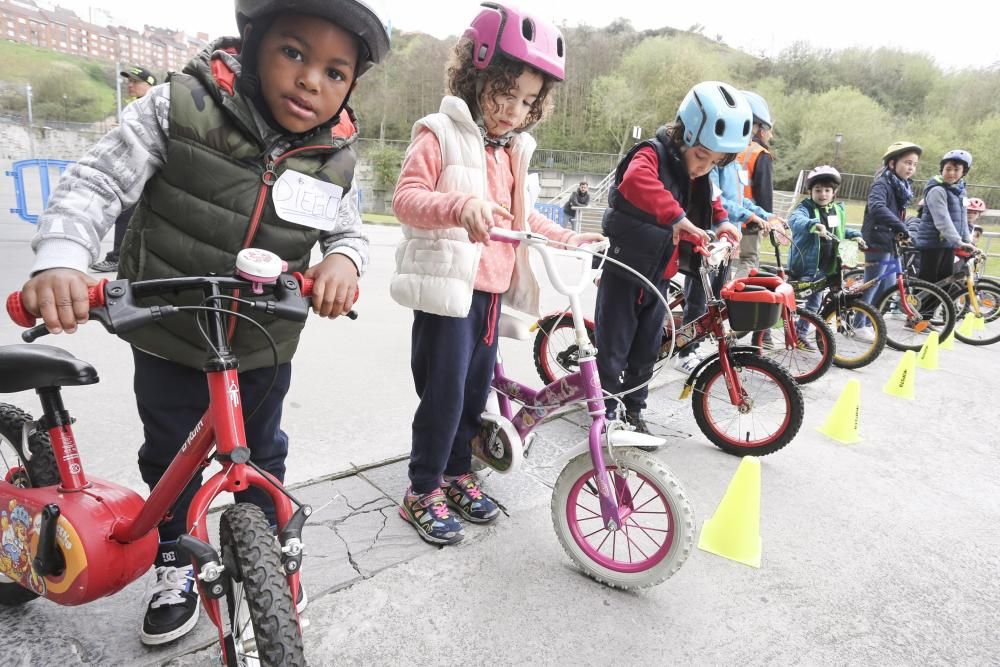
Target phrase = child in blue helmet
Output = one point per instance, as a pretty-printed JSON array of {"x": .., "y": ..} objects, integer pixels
[
  {"x": 944, "y": 225},
  {"x": 661, "y": 189}
]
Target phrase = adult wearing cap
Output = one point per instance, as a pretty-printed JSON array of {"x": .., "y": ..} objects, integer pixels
[{"x": 139, "y": 81}]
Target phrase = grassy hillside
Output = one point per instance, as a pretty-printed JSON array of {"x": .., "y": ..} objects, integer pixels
[{"x": 64, "y": 87}]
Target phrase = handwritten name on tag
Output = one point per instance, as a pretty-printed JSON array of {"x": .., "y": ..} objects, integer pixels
[{"x": 304, "y": 200}]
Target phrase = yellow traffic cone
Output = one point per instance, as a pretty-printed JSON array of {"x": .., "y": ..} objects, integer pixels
[
  {"x": 733, "y": 532},
  {"x": 928, "y": 356},
  {"x": 978, "y": 322},
  {"x": 968, "y": 325},
  {"x": 949, "y": 342},
  {"x": 842, "y": 422},
  {"x": 902, "y": 381}
]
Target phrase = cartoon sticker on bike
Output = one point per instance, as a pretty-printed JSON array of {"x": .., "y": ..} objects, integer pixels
[{"x": 17, "y": 530}]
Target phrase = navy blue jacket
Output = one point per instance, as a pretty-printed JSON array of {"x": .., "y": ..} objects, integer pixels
[
  {"x": 883, "y": 215},
  {"x": 940, "y": 229}
]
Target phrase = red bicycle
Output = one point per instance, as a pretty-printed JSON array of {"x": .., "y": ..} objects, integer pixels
[{"x": 74, "y": 539}]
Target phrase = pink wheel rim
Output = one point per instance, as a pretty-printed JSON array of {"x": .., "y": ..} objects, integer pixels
[{"x": 647, "y": 533}]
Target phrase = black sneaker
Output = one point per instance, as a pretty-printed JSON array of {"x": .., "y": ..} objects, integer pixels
[
  {"x": 173, "y": 609},
  {"x": 635, "y": 420}
]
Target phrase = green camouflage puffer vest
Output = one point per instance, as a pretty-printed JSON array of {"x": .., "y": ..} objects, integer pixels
[{"x": 211, "y": 199}]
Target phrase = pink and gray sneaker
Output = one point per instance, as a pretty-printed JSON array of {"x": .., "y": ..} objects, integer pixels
[{"x": 429, "y": 514}]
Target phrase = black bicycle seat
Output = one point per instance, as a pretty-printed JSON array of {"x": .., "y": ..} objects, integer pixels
[{"x": 32, "y": 366}]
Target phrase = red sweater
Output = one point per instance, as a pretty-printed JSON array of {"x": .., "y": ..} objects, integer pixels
[{"x": 642, "y": 188}]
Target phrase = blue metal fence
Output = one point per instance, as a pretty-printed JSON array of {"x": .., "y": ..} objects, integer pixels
[{"x": 44, "y": 167}]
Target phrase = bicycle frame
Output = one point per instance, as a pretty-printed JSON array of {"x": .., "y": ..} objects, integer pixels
[{"x": 889, "y": 267}]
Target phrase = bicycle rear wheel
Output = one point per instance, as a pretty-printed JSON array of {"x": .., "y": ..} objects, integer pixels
[
  {"x": 556, "y": 352},
  {"x": 933, "y": 311},
  {"x": 803, "y": 364},
  {"x": 265, "y": 628},
  {"x": 32, "y": 469},
  {"x": 658, "y": 525},
  {"x": 846, "y": 322},
  {"x": 768, "y": 418},
  {"x": 983, "y": 329}
]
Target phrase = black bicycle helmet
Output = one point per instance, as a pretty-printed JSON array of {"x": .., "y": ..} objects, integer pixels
[{"x": 351, "y": 15}]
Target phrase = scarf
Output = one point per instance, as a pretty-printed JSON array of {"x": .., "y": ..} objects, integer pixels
[{"x": 903, "y": 189}]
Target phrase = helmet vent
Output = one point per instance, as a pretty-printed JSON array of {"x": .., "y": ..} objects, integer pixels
[
  {"x": 483, "y": 50},
  {"x": 746, "y": 129},
  {"x": 727, "y": 97},
  {"x": 720, "y": 127},
  {"x": 559, "y": 47},
  {"x": 528, "y": 30}
]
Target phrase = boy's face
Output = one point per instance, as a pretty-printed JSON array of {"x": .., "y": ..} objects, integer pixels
[
  {"x": 973, "y": 216},
  {"x": 906, "y": 165},
  {"x": 699, "y": 160},
  {"x": 823, "y": 194},
  {"x": 952, "y": 172},
  {"x": 306, "y": 70},
  {"x": 507, "y": 112}
]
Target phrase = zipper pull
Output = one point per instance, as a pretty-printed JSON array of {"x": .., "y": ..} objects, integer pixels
[{"x": 270, "y": 175}]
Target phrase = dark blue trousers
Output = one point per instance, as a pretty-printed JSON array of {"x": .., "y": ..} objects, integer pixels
[
  {"x": 172, "y": 398},
  {"x": 452, "y": 360},
  {"x": 628, "y": 325}
]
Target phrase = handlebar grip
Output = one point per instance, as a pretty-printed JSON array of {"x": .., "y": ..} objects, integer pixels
[{"x": 23, "y": 318}]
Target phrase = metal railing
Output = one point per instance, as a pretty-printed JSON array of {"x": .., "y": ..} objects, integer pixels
[{"x": 856, "y": 186}]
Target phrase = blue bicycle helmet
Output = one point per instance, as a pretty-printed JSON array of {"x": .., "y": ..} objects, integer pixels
[
  {"x": 716, "y": 116},
  {"x": 761, "y": 112},
  {"x": 957, "y": 155}
]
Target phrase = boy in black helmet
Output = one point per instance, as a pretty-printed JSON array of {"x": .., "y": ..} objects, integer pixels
[{"x": 200, "y": 156}]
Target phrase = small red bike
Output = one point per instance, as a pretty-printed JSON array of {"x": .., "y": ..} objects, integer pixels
[{"x": 73, "y": 539}]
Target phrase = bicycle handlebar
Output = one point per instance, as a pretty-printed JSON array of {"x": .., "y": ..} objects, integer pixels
[
  {"x": 113, "y": 303},
  {"x": 539, "y": 242}
]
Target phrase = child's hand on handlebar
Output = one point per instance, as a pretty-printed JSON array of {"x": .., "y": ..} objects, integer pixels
[
  {"x": 59, "y": 297},
  {"x": 819, "y": 228},
  {"x": 478, "y": 215},
  {"x": 335, "y": 283},
  {"x": 686, "y": 226},
  {"x": 587, "y": 237},
  {"x": 729, "y": 229}
]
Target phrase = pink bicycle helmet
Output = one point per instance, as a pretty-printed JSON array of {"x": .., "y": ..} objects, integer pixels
[
  {"x": 519, "y": 36},
  {"x": 976, "y": 204}
]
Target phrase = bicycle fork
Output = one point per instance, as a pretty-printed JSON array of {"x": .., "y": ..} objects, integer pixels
[{"x": 611, "y": 501}]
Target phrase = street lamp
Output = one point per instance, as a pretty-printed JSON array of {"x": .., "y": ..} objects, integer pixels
[
  {"x": 837, "y": 140},
  {"x": 65, "y": 107}
]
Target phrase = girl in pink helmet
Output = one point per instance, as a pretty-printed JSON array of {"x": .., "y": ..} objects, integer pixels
[{"x": 466, "y": 171}]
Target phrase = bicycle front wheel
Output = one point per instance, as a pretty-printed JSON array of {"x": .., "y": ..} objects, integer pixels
[
  {"x": 768, "y": 416},
  {"x": 811, "y": 358},
  {"x": 265, "y": 629},
  {"x": 657, "y": 529},
  {"x": 856, "y": 347},
  {"x": 984, "y": 328},
  {"x": 932, "y": 308}
]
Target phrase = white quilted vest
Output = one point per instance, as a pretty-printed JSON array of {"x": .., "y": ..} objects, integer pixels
[{"x": 436, "y": 269}]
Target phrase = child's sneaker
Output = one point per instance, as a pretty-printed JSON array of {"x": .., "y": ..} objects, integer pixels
[
  {"x": 466, "y": 497},
  {"x": 806, "y": 345},
  {"x": 173, "y": 609},
  {"x": 864, "y": 334},
  {"x": 687, "y": 364},
  {"x": 428, "y": 512}
]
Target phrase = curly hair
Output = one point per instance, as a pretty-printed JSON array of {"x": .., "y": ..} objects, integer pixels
[{"x": 499, "y": 78}]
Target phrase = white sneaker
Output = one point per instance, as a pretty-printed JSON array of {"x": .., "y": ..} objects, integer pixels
[
  {"x": 865, "y": 334},
  {"x": 687, "y": 364}
]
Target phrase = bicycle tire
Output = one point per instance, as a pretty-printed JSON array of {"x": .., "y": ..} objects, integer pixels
[
  {"x": 804, "y": 366},
  {"x": 555, "y": 351},
  {"x": 574, "y": 501},
  {"x": 38, "y": 471},
  {"x": 790, "y": 395},
  {"x": 988, "y": 292},
  {"x": 853, "y": 352},
  {"x": 262, "y": 614},
  {"x": 899, "y": 335}
]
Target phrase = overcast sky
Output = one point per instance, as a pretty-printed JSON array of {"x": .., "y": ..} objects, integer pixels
[{"x": 957, "y": 36}]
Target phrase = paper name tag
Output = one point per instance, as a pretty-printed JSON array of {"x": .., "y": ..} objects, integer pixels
[
  {"x": 304, "y": 200},
  {"x": 744, "y": 176}
]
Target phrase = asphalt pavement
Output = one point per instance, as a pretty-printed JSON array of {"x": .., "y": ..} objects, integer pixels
[{"x": 880, "y": 552}]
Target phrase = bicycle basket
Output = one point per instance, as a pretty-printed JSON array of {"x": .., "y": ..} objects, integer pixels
[
  {"x": 755, "y": 302},
  {"x": 849, "y": 253}
]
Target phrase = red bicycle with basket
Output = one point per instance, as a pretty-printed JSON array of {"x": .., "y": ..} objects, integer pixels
[{"x": 76, "y": 539}]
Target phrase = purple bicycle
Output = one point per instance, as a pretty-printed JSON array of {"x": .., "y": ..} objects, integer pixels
[{"x": 621, "y": 515}]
